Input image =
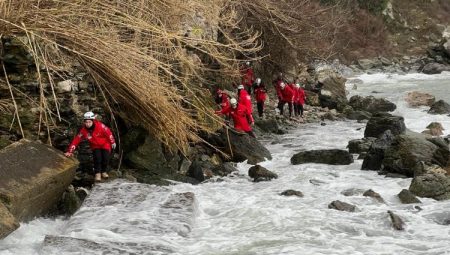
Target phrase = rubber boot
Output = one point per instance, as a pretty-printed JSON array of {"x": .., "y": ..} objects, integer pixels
[
  {"x": 105, "y": 175},
  {"x": 98, "y": 177}
]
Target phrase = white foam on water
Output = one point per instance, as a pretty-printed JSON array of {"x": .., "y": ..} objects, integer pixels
[{"x": 237, "y": 216}]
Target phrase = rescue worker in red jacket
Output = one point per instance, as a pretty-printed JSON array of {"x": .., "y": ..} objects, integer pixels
[
  {"x": 300, "y": 99},
  {"x": 244, "y": 98},
  {"x": 260, "y": 95},
  {"x": 101, "y": 141},
  {"x": 248, "y": 77},
  {"x": 287, "y": 96},
  {"x": 276, "y": 83},
  {"x": 242, "y": 118},
  {"x": 222, "y": 99}
]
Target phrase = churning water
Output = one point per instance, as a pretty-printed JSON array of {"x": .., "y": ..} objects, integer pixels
[{"x": 237, "y": 216}]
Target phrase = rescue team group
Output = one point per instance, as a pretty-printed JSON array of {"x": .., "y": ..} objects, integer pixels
[{"x": 102, "y": 142}]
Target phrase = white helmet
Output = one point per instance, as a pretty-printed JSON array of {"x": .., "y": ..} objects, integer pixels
[
  {"x": 297, "y": 85},
  {"x": 233, "y": 101},
  {"x": 282, "y": 85},
  {"x": 240, "y": 87},
  {"x": 89, "y": 116},
  {"x": 258, "y": 81},
  {"x": 247, "y": 63}
]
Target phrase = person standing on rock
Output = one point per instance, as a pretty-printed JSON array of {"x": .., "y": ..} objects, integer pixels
[
  {"x": 101, "y": 141},
  {"x": 242, "y": 118},
  {"x": 244, "y": 98},
  {"x": 300, "y": 99},
  {"x": 287, "y": 96},
  {"x": 248, "y": 77},
  {"x": 260, "y": 95}
]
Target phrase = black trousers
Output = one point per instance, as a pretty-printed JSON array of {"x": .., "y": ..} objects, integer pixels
[
  {"x": 260, "y": 106},
  {"x": 281, "y": 107},
  {"x": 249, "y": 89},
  {"x": 101, "y": 160},
  {"x": 298, "y": 109},
  {"x": 250, "y": 133}
]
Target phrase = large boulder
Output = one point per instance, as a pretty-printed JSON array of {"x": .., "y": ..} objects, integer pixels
[
  {"x": 239, "y": 146},
  {"x": 434, "y": 129},
  {"x": 374, "y": 157},
  {"x": 360, "y": 145},
  {"x": 333, "y": 94},
  {"x": 380, "y": 122},
  {"x": 259, "y": 173},
  {"x": 410, "y": 149},
  {"x": 371, "y": 104},
  {"x": 440, "y": 107},
  {"x": 268, "y": 125},
  {"x": 342, "y": 206},
  {"x": 33, "y": 178},
  {"x": 435, "y": 68},
  {"x": 416, "y": 99},
  {"x": 431, "y": 185},
  {"x": 407, "y": 197},
  {"x": 7, "y": 222},
  {"x": 331, "y": 157},
  {"x": 351, "y": 114}
]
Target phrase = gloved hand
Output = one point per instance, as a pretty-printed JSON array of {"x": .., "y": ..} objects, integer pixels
[
  {"x": 68, "y": 154},
  {"x": 113, "y": 146}
]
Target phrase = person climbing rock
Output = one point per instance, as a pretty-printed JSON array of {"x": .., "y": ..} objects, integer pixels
[
  {"x": 242, "y": 118},
  {"x": 222, "y": 99},
  {"x": 101, "y": 141},
  {"x": 260, "y": 95},
  {"x": 277, "y": 85},
  {"x": 300, "y": 99},
  {"x": 244, "y": 98},
  {"x": 248, "y": 77},
  {"x": 287, "y": 96}
]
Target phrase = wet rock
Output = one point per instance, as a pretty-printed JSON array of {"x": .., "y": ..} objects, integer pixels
[
  {"x": 291, "y": 192},
  {"x": 224, "y": 169},
  {"x": 317, "y": 182},
  {"x": 360, "y": 145},
  {"x": 268, "y": 125},
  {"x": 259, "y": 173},
  {"x": 82, "y": 193},
  {"x": 8, "y": 222},
  {"x": 380, "y": 122},
  {"x": 331, "y": 157},
  {"x": 432, "y": 185},
  {"x": 367, "y": 64},
  {"x": 426, "y": 168},
  {"x": 312, "y": 98},
  {"x": 407, "y": 197},
  {"x": 440, "y": 107},
  {"x": 196, "y": 171},
  {"x": 70, "y": 201},
  {"x": 33, "y": 178},
  {"x": 352, "y": 192},
  {"x": 351, "y": 114},
  {"x": 416, "y": 99},
  {"x": 371, "y": 104},
  {"x": 374, "y": 157},
  {"x": 395, "y": 175},
  {"x": 434, "y": 129},
  {"x": 410, "y": 149},
  {"x": 65, "y": 86},
  {"x": 397, "y": 222},
  {"x": 435, "y": 68},
  {"x": 373, "y": 194},
  {"x": 342, "y": 206}
]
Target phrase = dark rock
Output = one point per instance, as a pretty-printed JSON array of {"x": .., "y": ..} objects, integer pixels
[
  {"x": 196, "y": 171},
  {"x": 358, "y": 115},
  {"x": 375, "y": 155},
  {"x": 312, "y": 98},
  {"x": 371, "y": 104},
  {"x": 332, "y": 102},
  {"x": 82, "y": 193},
  {"x": 259, "y": 173},
  {"x": 440, "y": 107},
  {"x": 352, "y": 192},
  {"x": 224, "y": 169},
  {"x": 291, "y": 192},
  {"x": 332, "y": 92},
  {"x": 395, "y": 175},
  {"x": 331, "y": 157},
  {"x": 268, "y": 125},
  {"x": 317, "y": 182},
  {"x": 431, "y": 185},
  {"x": 70, "y": 201},
  {"x": 407, "y": 197},
  {"x": 380, "y": 122},
  {"x": 410, "y": 149},
  {"x": 397, "y": 222},
  {"x": 341, "y": 206},
  {"x": 373, "y": 194},
  {"x": 435, "y": 68},
  {"x": 8, "y": 222},
  {"x": 360, "y": 145}
]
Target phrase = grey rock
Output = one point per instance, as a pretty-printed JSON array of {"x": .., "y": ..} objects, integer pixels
[
  {"x": 259, "y": 173},
  {"x": 360, "y": 145},
  {"x": 352, "y": 192},
  {"x": 268, "y": 125},
  {"x": 375, "y": 155},
  {"x": 435, "y": 68},
  {"x": 342, "y": 206},
  {"x": 331, "y": 157},
  {"x": 224, "y": 169},
  {"x": 397, "y": 222},
  {"x": 291, "y": 192},
  {"x": 431, "y": 185},
  {"x": 380, "y": 122},
  {"x": 407, "y": 197},
  {"x": 371, "y": 104},
  {"x": 440, "y": 107},
  {"x": 373, "y": 194}
]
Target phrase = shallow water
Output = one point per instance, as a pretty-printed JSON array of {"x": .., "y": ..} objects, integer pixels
[{"x": 237, "y": 216}]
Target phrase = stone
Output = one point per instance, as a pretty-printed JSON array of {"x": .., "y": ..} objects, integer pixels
[
  {"x": 373, "y": 194},
  {"x": 409, "y": 150},
  {"x": 440, "y": 107},
  {"x": 196, "y": 171},
  {"x": 352, "y": 192},
  {"x": 268, "y": 125},
  {"x": 374, "y": 157},
  {"x": 431, "y": 185},
  {"x": 342, "y": 206},
  {"x": 259, "y": 173},
  {"x": 8, "y": 222},
  {"x": 435, "y": 68},
  {"x": 434, "y": 129},
  {"x": 224, "y": 169},
  {"x": 333, "y": 94},
  {"x": 407, "y": 197},
  {"x": 65, "y": 86},
  {"x": 351, "y": 114},
  {"x": 371, "y": 104},
  {"x": 397, "y": 222},
  {"x": 331, "y": 157},
  {"x": 380, "y": 122},
  {"x": 33, "y": 178},
  {"x": 312, "y": 98},
  {"x": 416, "y": 99},
  {"x": 70, "y": 201},
  {"x": 367, "y": 64},
  {"x": 360, "y": 145},
  {"x": 291, "y": 192}
]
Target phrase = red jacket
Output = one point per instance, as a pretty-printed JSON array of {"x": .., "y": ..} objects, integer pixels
[
  {"x": 277, "y": 84},
  {"x": 300, "y": 96},
  {"x": 260, "y": 93},
  {"x": 100, "y": 137},
  {"x": 241, "y": 117},
  {"x": 287, "y": 94},
  {"x": 248, "y": 76},
  {"x": 245, "y": 100},
  {"x": 225, "y": 101}
]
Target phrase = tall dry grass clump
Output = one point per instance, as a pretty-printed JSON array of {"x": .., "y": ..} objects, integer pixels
[{"x": 136, "y": 52}]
